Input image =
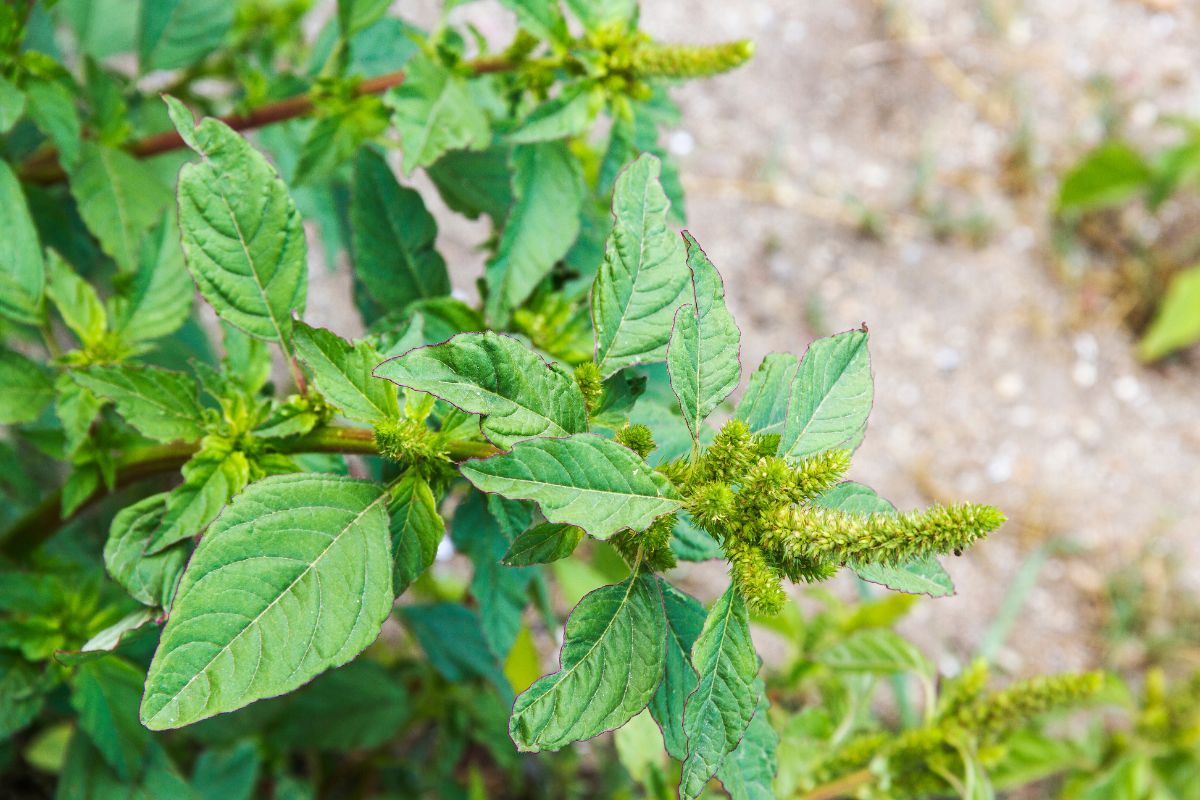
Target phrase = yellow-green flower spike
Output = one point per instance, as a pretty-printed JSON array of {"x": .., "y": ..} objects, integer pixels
[
  {"x": 758, "y": 581},
  {"x": 684, "y": 61},
  {"x": 1000, "y": 712}
]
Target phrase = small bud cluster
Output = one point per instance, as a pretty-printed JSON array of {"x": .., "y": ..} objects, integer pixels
[
  {"x": 651, "y": 548},
  {"x": 637, "y": 438},
  {"x": 412, "y": 444},
  {"x": 587, "y": 377},
  {"x": 761, "y": 507}
]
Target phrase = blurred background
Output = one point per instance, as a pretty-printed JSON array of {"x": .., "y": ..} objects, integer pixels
[{"x": 901, "y": 164}]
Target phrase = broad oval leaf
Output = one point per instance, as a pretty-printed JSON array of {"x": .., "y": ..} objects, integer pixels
[
  {"x": 433, "y": 112},
  {"x": 685, "y": 620},
  {"x": 569, "y": 114},
  {"x": 394, "y": 237},
  {"x": 178, "y": 33},
  {"x": 519, "y": 395},
  {"x": 149, "y": 579},
  {"x": 292, "y": 579},
  {"x": 343, "y": 374},
  {"x": 22, "y": 270},
  {"x": 703, "y": 356},
  {"x": 159, "y": 298},
  {"x": 242, "y": 235},
  {"x": 611, "y": 663},
  {"x": 105, "y": 693},
  {"x": 764, "y": 405},
  {"x": 582, "y": 480},
  {"x": 831, "y": 397},
  {"x": 416, "y": 530},
  {"x": 749, "y": 771},
  {"x": 210, "y": 479},
  {"x": 878, "y": 651},
  {"x": 717, "y": 713},
  {"x": 543, "y": 223},
  {"x": 27, "y": 388},
  {"x": 643, "y": 278},
  {"x": 919, "y": 576},
  {"x": 160, "y": 403}
]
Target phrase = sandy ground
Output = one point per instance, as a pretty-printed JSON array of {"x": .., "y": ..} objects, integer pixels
[{"x": 995, "y": 382}]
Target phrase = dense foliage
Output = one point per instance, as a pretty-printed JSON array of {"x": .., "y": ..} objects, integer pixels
[{"x": 197, "y": 612}]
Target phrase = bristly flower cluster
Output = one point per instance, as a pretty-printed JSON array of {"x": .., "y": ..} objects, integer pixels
[{"x": 764, "y": 511}]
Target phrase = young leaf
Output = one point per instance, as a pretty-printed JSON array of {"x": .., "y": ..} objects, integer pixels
[
  {"x": 433, "y": 112},
  {"x": 242, "y": 236},
  {"x": 452, "y": 637},
  {"x": 611, "y": 663},
  {"x": 831, "y": 397},
  {"x": 149, "y": 579},
  {"x": 643, "y": 278},
  {"x": 717, "y": 713},
  {"x": 51, "y": 106},
  {"x": 541, "y": 18},
  {"x": 230, "y": 774},
  {"x": 919, "y": 576},
  {"x": 210, "y": 479},
  {"x": 27, "y": 388},
  {"x": 878, "y": 651},
  {"x": 542, "y": 544},
  {"x": 394, "y": 237},
  {"x": 569, "y": 114},
  {"x": 75, "y": 300},
  {"x": 749, "y": 771},
  {"x": 1109, "y": 175},
  {"x": 120, "y": 198},
  {"x": 298, "y": 567},
  {"x": 703, "y": 356},
  {"x": 22, "y": 271},
  {"x": 519, "y": 394},
  {"x": 342, "y": 373},
  {"x": 161, "y": 404},
  {"x": 685, "y": 620},
  {"x": 599, "y": 14},
  {"x": 582, "y": 480},
  {"x": 416, "y": 530},
  {"x": 474, "y": 183},
  {"x": 159, "y": 298},
  {"x": 764, "y": 405},
  {"x": 548, "y": 190},
  {"x": 354, "y": 15},
  {"x": 1176, "y": 324},
  {"x": 12, "y": 104},
  {"x": 178, "y": 33},
  {"x": 105, "y": 693}
]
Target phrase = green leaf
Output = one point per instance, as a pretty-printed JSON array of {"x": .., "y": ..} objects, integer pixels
[
  {"x": 433, "y": 112},
  {"x": 86, "y": 776},
  {"x": 105, "y": 693},
  {"x": 541, "y": 18},
  {"x": 210, "y": 479},
  {"x": 51, "y": 106},
  {"x": 22, "y": 271},
  {"x": 179, "y": 33},
  {"x": 690, "y": 543},
  {"x": 120, "y": 198},
  {"x": 159, "y": 298},
  {"x": 474, "y": 183},
  {"x": 644, "y": 276},
  {"x": 919, "y": 576},
  {"x": 878, "y": 651},
  {"x": 149, "y": 579},
  {"x": 230, "y": 774},
  {"x": 75, "y": 300},
  {"x": 21, "y": 693},
  {"x": 342, "y": 373},
  {"x": 1108, "y": 176},
  {"x": 831, "y": 397},
  {"x": 360, "y": 705},
  {"x": 452, "y": 637},
  {"x": 416, "y": 530},
  {"x": 128, "y": 628},
  {"x": 394, "y": 237},
  {"x": 519, "y": 395},
  {"x": 12, "y": 105},
  {"x": 297, "y": 566},
  {"x": 548, "y": 190},
  {"x": 354, "y": 15},
  {"x": 242, "y": 236},
  {"x": 159, "y": 403},
  {"x": 27, "y": 388},
  {"x": 582, "y": 480},
  {"x": 75, "y": 408},
  {"x": 764, "y": 405},
  {"x": 717, "y": 713},
  {"x": 1176, "y": 324},
  {"x": 685, "y": 620},
  {"x": 598, "y": 14},
  {"x": 749, "y": 771},
  {"x": 611, "y": 663},
  {"x": 542, "y": 544},
  {"x": 703, "y": 356},
  {"x": 569, "y": 114}
]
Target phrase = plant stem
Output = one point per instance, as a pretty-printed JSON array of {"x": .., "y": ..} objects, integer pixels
[
  {"x": 842, "y": 787},
  {"x": 42, "y": 521},
  {"x": 45, "y": 168}
]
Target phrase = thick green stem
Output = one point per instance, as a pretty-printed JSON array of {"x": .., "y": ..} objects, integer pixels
[{"x": 43, "y": 520}]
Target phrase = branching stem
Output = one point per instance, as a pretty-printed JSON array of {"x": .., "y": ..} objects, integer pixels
[{"x": 44, "y": 520}]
